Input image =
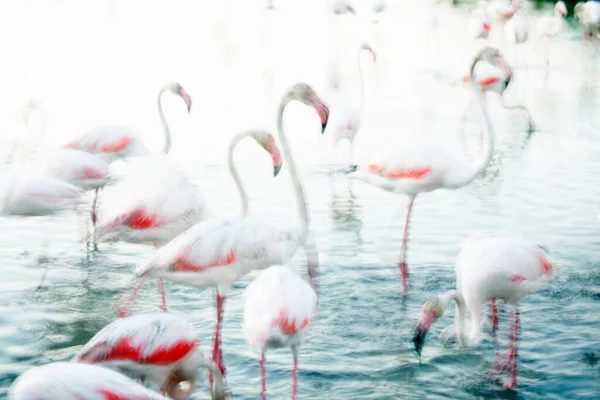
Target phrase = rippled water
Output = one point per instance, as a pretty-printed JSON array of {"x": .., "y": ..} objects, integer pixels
[{"x": 94, "y": 69}]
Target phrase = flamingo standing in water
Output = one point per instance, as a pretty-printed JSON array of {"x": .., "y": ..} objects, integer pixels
[
  {"x": 494, "y": 74},
  {"x": 70, "y": 381},
  {"x": 217, "y": 252},
  {"x": 161, "y": 348},
  {"x": 119, "y": 142},
  {"x": 550, "y": 26},
  {"x": 157, "y": 201},
  {"x": 500, "y": 11},
  {"x": 516, "y": 31},
  {"x": 488, "y": 267},
  {"x": 418, "y": 167},
  {"x": 588, "y": 14},
  {"x": 346, "y": 118},
  {"x": 278, "y": 309}
]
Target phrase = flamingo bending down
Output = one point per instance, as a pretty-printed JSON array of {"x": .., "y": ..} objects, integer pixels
[
  {"x": 118, "y": 142},
  {"x": 420, "y": 167},
  {"x": 219, "y": 251},
  {"x": 159, "y": 216},
  {"x": 494, "y": 74},
  {"x": 489, "y": 266},
  {"x": 346, "y": 118},
  {"x": 588, "y": 14},
  {"x": 161, "y": 348},
  {"x": 550, "y": 26},
  {"x": 70, "y": 381},
  {"x": 278, "y": 309}
]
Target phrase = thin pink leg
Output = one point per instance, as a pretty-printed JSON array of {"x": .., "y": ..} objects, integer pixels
[
  {"x": 511, "y": 382},
  {"x": 94, "y": 217},
  {"x": 402, "y": 264},
  {"x": 124, "y": 310},
  {"x": 217, "y": 356},
  {"x": 494, "y": 314},
  {"x": 163, "y": 297},
  {"x": 295, "y": 376},
  {"x": 263, "y": 378}
]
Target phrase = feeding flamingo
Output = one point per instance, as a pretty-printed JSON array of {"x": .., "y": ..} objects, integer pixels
[
  {"x": 278, "y": 309},
  {"x": 119, "y": 142},
  {"x": 494, "y": 74},
  {"x": 346, "y": 117},
  {"x": 160, "y": 348},
  {"x": 489, "y": 267},
  {"x": 155, "y": 205},
  {"x": 218, "y": 251},
  {"x": 550, "y": 26},
  {"x": 70, "y": 381},
  {"x": 420, "y": 166}
]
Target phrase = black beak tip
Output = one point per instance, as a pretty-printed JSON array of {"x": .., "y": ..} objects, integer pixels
[
  {"x": 276, "y": 170},
  {"x": 352, "y": 168},
  {"x": 419, "y": 341},
  {"x": 323, "y": 127}
]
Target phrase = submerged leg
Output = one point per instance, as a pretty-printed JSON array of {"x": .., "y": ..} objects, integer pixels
[
  {"x": 123, "y": 311},
  {"x": 263, "y": 377},
  {"x": 511, "y": 382},
  {"x": 494, "y": 315},
  {"x": 295, "y": 374},
  {"x": 217, "y": 356},
  {"x": 402, "y": 264},
  {"x": 163, "y": 297},
  {"x": 94, "y": 218}
]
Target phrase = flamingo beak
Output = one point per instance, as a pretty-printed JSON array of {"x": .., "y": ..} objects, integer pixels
[
  {"x": 373, "y": 53},
  {"x": 187, "y": 98},
  {"x": 351, "y": 10},
  {"x": 421, "y": 332},
  {"x": 275, "y": 155},
  {"x": 323, "y": 112}
]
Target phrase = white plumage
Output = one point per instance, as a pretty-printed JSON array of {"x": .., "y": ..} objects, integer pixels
[
  {"x": 69, "y": 381},
  {"x": 551, "y": 25},
  {"x": 517, "y": 29}
]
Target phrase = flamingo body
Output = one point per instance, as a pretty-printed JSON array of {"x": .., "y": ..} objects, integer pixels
[
  {"x": 70, "y": 381},
  {"x": 517, "y": 30},
  {"x": 501, "y": 11},
  {"x": 551, "y": 25},
  {"x": 112, "y": 142},
  {"x": 82, "y": 169}
]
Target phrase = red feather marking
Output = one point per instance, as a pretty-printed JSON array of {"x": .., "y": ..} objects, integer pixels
[
  {"x": 92, "y": 173},
  {"x": 546, "y": 266},
  {"x": 45, "y": 197},
  {"x": 518, "y": 278},
  {"x": 287, "y": 325},
  {"x": 140, "y": 220},
  {"x": 416, "y": 173},
  {"x": 124, "y": 350},
  {"x": 486, "y": 26},
  {"x": 108, "y": 395},
  {"x": 120, "y": 144},
  {"x": 164, "y": 355},
  {"x": 182, "y": 263},
  {"x": 488, "y": 81}
]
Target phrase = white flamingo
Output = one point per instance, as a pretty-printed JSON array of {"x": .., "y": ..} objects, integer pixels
[
  {"x": 342, "y": 31},
  {"x": 479, "y": 26},
  {"x": 119, "y": 142},
  {"x": 278, "y": 309},
  {"x": 346, "y": 116},
  {"x": 157, "y": 201},
  {"x": 420, "y": 166},
  {"x": 70, "y": 381},
  {"x": 500, "y": 11},
  {"x": 588, "y": 14},
  {"x": 217, "y": 252},
  {"x": 489, "y": 267},
  {"x": 550, "y": 26},
  {"x": 516, "y": 31},
  {"x": 161, "y": 348}
]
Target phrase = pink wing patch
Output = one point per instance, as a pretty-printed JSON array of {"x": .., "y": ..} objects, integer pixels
[
  {"x": 416, "y": 173},
  {"x": 488, "y": 81},
  {"x": 183, "y": 264},
  {"x": 124, "y": 350},
  {"x": 518, "y": 278},
  {"x": 140, "y": 220},
  {"x": 118, "y": 145},
  {"x": 545, "y": 265},
  {"x": 108, "y": 395},
  {"x": 92, "y": 173},
  {"x": 288, "y": 325},
  {"x": 45, "y": 197}
]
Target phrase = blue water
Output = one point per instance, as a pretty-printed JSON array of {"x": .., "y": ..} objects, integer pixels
[{"x": 544, "y": 186}]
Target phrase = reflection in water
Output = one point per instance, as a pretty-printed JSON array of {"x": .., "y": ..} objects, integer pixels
[{"x": 346, "y": 217}]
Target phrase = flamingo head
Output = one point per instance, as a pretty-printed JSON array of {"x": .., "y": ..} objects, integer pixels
[
  {"x": 432, "y": 310},
  {"x": 579, "y": 10},
  {"x": 366, "y": 46},
  {"x": 561, "y": 8},
  {"x": 305, "y": 94},
  {"x": 343, "y": 7},
  {"x": 178, "y": 90},
  {"x": 267, "y": 141},
  {"x": 180, "y": 385}
]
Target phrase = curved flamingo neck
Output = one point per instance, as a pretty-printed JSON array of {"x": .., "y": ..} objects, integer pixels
[
  {"x": 299, "y": 191},
  {"x": 163, "y": 121},
  {"x": 464, "y": 340},
  {"x": 233, "y": 170},
  {"x": 362, "y": 81}
]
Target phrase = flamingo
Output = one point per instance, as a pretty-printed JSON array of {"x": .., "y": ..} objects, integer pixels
[
  {"x": 516, "y": 31},
  {"x": 341, "y": 32},
  {"x": 70, "y": 381},
  {"x": 588, "y": 14},
  {"x": 218, "y": 251},
  {"x": 500, "y": 11},
  {"x": 420, "y": 167},
  {"x": 119, "y": 142},
  {"x": 489, "y": 266},
  {"x": 347, "y": 117},
  {"x": 479, "y": 26},
  {"x": 494, "y": 74},
  {"x": 342, "y": 7},
  {"x": 157, "y": 201},
  {"x": 162, "y": 348},
  {"x": 278, "y": 309},
  {"x": 550, "y": 26}
]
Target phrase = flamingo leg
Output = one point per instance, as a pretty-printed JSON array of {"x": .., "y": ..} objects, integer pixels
[
  {"x": 402, "y": 264},
  {"x": 123, "y": 311},
  {"x": 217, "y": 353},
  {"x": 263, "y": 377},
  {"x": 94, "y": 218},
  {"x": 511, "y": 382},
  {"x": 295, "y": 375},
  {"x": 163, "y": 297},
  {"x": 494, "y": 315}
]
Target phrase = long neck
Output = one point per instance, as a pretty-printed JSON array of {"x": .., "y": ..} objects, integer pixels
[
  {"x": 522, "y": 108},
  {"x": 219, "y": 387},
  {"x": 233, "y": 170},
  {"x": 362, "y": 81},
  {"x": 463, "y": 339},
  {"x": 163, "y": 121},
  {"x": 465, "y": 177},
  {"x": 299, "y": 191}
]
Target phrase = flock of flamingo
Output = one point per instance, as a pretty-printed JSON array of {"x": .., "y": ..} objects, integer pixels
[{"x": 152, "y": 201}]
